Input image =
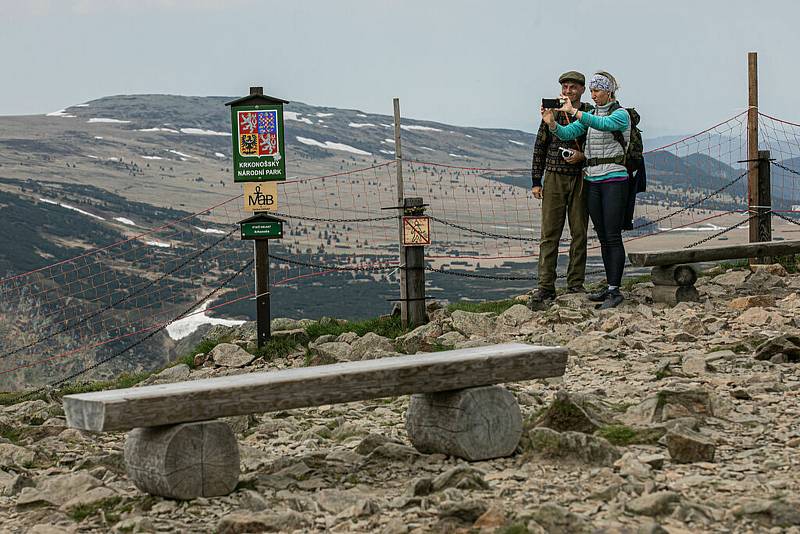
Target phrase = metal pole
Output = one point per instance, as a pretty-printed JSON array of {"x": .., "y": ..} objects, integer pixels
[
  {"x": 752, "y": 145},
  {"x": 262, "y": 291},
  {"x": 398, "y": 157}
]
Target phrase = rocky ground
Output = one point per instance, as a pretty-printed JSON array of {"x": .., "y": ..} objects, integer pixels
[{"x": 669, "y": 419}]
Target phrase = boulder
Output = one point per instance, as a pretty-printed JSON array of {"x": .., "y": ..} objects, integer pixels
[
  {"x": 777, "y": 512},
  {"x": 759, "y": 317},
  {"x": 230, "y": 355},
  {"x": 347, "y": 337},
  {"x": 653, "y": 504},
  {"x": 287, "y": 521},
  {"x": 787, "y": 344},
  {"x": 473, "y": 324},
  {"x": 515, "y": 316},
  {"x": 15, "y": 456},
  {"x": 422, "y": 337},
  {"x": 556, "y": 519},
  {"x": 284, "y": 323},
  {"x": 176, "y": 373},
  {"x": 687, "y": 446},
  {"x": 732, "y": 279},
  {"x": 576, "y": 412},
  {"x": 365, "y": 347},
  {"x": 59, "y": 489},
  {"x": 95, "y": 497},
  {"x": 762, "y": 280},
  {"x": 572, "y": 446},
  {"x": 775, "y": 269},
  {"x": 462, "y": 477},
  {"x": 449, "y": 339},
  {"x": 752, "y": 301},
  {"x": 334, "y": 350},
  {"x": 670, "y": 404}
]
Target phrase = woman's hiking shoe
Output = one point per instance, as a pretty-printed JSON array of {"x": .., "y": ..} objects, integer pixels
[
  {"x": 613, "y": 299},
  {"x": 598, "y": 296},
  {"x": 541, "y": 300}
]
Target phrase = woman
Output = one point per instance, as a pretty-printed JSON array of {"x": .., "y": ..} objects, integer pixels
[{"x": 604, "y": 171}]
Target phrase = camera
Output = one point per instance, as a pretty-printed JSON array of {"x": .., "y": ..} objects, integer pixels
[
  {"x": 552, "y": 103},
  {"x": 566, "y": 152}
]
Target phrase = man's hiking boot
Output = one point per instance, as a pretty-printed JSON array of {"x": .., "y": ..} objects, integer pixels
[
  {"x": 598, "y": 296},
  {"x": 541, "y": 300},
  {"x": 613, "y": 299}
]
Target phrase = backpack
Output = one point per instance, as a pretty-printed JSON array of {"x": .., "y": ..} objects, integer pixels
[{"x": 634, "y": 151}]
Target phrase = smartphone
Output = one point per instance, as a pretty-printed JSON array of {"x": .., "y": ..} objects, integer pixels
[{"x": 551, "y": 103}]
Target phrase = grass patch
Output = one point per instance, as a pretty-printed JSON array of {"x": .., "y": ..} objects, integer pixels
[
  {"x": 516, "y": 528},
  {"x": 496, "y": 306},
  {"x": 83, "y": 511},
  {"x": 628, "y": 283},
  {"x": 276, "y": 348},
  {"x": 389, "y": 327}
]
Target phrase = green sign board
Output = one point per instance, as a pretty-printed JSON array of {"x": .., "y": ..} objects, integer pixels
[
  {"x": 262, "y": 229},
  {"x": 258, "y": 148}
]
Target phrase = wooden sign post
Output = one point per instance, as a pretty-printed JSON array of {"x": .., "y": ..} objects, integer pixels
[
  {"x": 416, "y": 234},
  {"x": 259, "y": 155}
]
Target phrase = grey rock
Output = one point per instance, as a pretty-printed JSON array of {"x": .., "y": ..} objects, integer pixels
[
  {"x": 572, "y": 446},
  {"x": 325, "y": 338},
  {"x": 576, "y": 412},
  {"x": 12, "y": 484},
  {"x": 347, "y": 337},
  {"x": 334, "y": 350},
  {"x": 786, "y": 344},
  {"x": 469, "y": 323},
  {"x": 732, "y": 279},
  {"x": 337, "y": 501},
  {"x": 58, "y": 489},
  {"x": 686, "y": 446},
  {"x": 176, "y": 373},
  {"x": 370, "y": 343},
  {"x": 15, "y": 456},
  {"x": 466, "y": 511},
  {"x": 672, "y": 404},
  {"x": 394, "y": 451},
  {"x": 653, "y": 504},
  {"x": 555, "y": 519},
  {"x": 372, "y": 442},
  {"x": 284, "y": 323},
  {"x": 777, "y": 512},
  {"x": 515, "y": 316},
  {"x": 92, "y": 498},
  {"x": 420, "y": 338},
  {"x": 450, "y": 339},
  {"x": 237, "y": 522},
  {"x": 462, "y": 477},
  {"x": 230, "y": 355}
]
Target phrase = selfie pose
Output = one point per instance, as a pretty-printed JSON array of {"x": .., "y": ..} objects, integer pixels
[
  {"x": 563, "y": 195},
  {"x": 605, "y": 172}
]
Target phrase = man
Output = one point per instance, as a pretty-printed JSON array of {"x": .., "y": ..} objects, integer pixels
[{"x": 563, "y": 195}]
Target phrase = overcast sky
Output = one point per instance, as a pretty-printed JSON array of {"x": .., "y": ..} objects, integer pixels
[{"x": 681, "y": 63}]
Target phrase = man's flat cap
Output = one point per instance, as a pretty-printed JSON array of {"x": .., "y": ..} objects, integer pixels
[{"x": 572, "y": 76}]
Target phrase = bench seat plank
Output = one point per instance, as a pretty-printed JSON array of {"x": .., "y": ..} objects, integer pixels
[
  {"x": 716, "y": 253},
  {"x": 211, "y": 398}
]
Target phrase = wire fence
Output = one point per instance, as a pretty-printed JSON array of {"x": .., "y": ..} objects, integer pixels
[{"x": 139, "y": 294}]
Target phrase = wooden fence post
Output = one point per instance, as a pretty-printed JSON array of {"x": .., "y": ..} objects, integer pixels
[{"x": 414, "y": 262}]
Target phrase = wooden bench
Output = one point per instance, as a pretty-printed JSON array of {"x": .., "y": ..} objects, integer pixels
[
  {"x": 177, "y": 449},
  {"x": 674, "y": 276}
]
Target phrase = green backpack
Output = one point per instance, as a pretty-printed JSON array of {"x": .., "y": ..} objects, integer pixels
[{"x": 634, "y": 151}]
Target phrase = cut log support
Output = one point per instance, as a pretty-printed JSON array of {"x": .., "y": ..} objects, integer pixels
[
  {"x": 473, "y": 424},
  {"x": 674, "y": 294},
  {"x": 674, "y": 275},
  {"x": 183, "y": 461}
]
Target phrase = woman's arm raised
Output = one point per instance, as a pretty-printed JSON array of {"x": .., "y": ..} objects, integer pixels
[{"x": 617, "y": 121}]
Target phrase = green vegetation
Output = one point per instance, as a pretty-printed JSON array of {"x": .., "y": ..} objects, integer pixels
[
  {"x": 383, "y": 326},
  {"x": 497, "y": 306},
  {"x": 628, "y": 283},
  {"x": 83, "y": 511},
  {"x": 278, "y": 347}
]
